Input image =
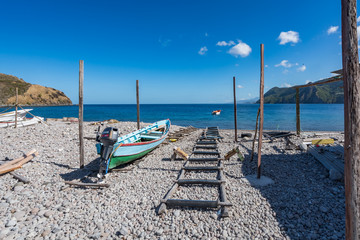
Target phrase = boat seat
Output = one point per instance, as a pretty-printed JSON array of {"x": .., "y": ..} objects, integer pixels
[{"x": 147, "y": 136}]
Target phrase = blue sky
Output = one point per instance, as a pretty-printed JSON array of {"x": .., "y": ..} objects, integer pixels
[{"x": 180, "y": 51}]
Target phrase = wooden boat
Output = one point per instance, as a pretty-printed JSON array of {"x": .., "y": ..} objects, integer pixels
[
  {"x": 216, "y": 112},
  {"x": 22, "y": 122},
  {"x": 10, "y": 116},
  {"x": 132, "y": 146}
]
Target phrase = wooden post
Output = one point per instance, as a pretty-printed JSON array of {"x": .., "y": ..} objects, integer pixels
[
  {"x": 81, "y": 112},
  {"x": 138, "y": 104},
  {"x": 261, "y": 108},
  {"x": 16, "y": 107},
  {"x": 297, "y": 112},
  {"x": 350, "y": 61},
  {"x": 235, "y": 117}
]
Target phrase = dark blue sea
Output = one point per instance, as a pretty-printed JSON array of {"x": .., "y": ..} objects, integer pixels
[{"x": 314, "y": 117}]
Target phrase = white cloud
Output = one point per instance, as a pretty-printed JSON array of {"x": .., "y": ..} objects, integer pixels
[
  {"x": 206, "y": 34},
  {"x": 224, "y": 43},
  {"x": 307, "y": 81},
  {"x": 240, "y": 49},
  {"x": 358, "y": 32},
  {"x": 249, "y": 94},
  {"x": 332, "y": 29},
  {"x": 285, "y": 71},
  {"x": 284, "y": 63},
  {"x": 358, "y": 19},
  {"x": 239, "y": 86},
  {"x": 203, "y": 50},
  {"x": 286, "y": 85},
  {"x": 289, "y": 36},
  {"x": 266, "y": 66},
  {"x": 302, "y": 68}
]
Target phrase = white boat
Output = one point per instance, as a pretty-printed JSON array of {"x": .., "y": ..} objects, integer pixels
[
  {"x": 10, "y": 116},
  {"x": 8, "y": 119},
  {"x": 22, "y": 122}
]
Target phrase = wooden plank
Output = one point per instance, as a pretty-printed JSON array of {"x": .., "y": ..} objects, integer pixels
[
  {"x": 322, "y": 141},
  {"x": 12, "y": 162},
  {"x": 195, "y": 203},
  {"x": 81, "y": 112},
  {"x": 327, "y": 159},
  {"x": 206, "y": 153},
  {"x": 328, "y": 80},
  {"x": 205, "y": 147},
  {"x": 204, "y": 168},
  {"x": 203, "y": 159},
  {"x": 17, "y": 165},
  {"x": 206, "y": 142},
  {"x": 199, "y": 181},
  {"x": 99, "y": 185},
  {"x": 224, "y": 209},
  {"x": 19, "y": 177}
]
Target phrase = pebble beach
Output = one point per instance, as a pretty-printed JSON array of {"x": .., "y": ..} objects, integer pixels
[{"x": 301, "y": 203}]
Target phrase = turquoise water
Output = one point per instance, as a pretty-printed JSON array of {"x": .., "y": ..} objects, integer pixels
[{"x": 314, "y": 117}]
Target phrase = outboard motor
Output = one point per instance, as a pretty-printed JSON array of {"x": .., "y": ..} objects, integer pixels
[{"x": 108, "y": 138}]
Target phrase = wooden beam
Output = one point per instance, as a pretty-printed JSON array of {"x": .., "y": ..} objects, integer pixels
[
  {"x": 297, "y": 112},
  {"x": 329, "y": 80},
  {"x": 137, "y": 104},
  {"x": 81, "y": 112},
  {"x": 350, "y": 61},
  {"x": 99, "y": 185},
  {"x": 235, "y": 112},
  {"x": 19, "y": 177},
  {"x": 261, "y": 108}
]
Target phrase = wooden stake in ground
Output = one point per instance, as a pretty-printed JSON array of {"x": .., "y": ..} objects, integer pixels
[
  {"x": 297, "y": 112},
  {"x": 138, "y": 104},
  {"x": 261, "y": 108},
  {"x": 81, "y": 112},
  {"x": 235, "y": 119},
  {"x": 351, "y": 78},
  {"x": 256, "y": 129},
  {"x": 16, "y": 107}
]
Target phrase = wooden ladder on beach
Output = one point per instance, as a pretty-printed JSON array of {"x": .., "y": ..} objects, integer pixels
[{"x": 205, "y": 147}]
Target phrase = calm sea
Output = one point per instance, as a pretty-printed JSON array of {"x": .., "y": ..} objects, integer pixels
[{"x": 321, "y": 117}]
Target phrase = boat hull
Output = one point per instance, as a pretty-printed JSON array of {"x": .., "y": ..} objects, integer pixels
[{"x": 133, "y": 146}]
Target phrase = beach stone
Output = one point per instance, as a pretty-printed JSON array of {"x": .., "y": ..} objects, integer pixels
[
  {"x": 18, "y": 188},
  {"x": 11, "y": 223},
  {"x": 324, "y": 209},
  {"x": 19, "y": 215},
  {"x": 34, "y": 211},
  {"x": 214, "y": 216},
  {"x": 46, "y": 232},
  {"x": 124, "y": 231},
  {"x": 4, "y": 205},
  {"x": 150, "y": 227},
  {"x": 335, "y": 175},
  {"x": 48, "y": 214},
  {"x": 177, "y": 213},
  {"x": 129, "y": 216}
]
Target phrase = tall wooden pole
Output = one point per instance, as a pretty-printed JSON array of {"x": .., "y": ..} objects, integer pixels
[
  {"x": 81, "y": 112},
  {"x": 297, "y": 112},
  {"x": 261, "y": 108},
  {"x": 16, "y": 107},
  {"x": 138, "y": 104},
  {"x": 350, "y": 61},
  {"x": 235, "y": 112}
]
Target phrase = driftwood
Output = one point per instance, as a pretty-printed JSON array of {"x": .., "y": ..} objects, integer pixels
[
  {"x": 19, "y": 177},
  {"x": 17, "y": 163},
  {"x": 181, "y": 153},
  {"x": 88, "y": 184},
  {"x": 232, "y": 153}
]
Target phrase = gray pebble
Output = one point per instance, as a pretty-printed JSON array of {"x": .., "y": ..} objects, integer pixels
[{"x": 11, "y": 223}]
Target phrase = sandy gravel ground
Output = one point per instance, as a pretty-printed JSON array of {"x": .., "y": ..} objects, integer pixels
[{"x": 302, "y": 203}]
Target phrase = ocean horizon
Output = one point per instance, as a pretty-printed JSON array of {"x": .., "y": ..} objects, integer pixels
[{"x": 313, "y": 117}]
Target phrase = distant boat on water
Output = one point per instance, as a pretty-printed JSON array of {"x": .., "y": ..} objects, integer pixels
[{"x": 216, "y": 112}]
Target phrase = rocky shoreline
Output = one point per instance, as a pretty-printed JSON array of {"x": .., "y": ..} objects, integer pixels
[{"x": 302, "y": 203}]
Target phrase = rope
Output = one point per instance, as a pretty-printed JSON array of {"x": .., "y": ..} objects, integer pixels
[
  {"x": 7, "y": 109},
  {"x": 34, "y": 116}
]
